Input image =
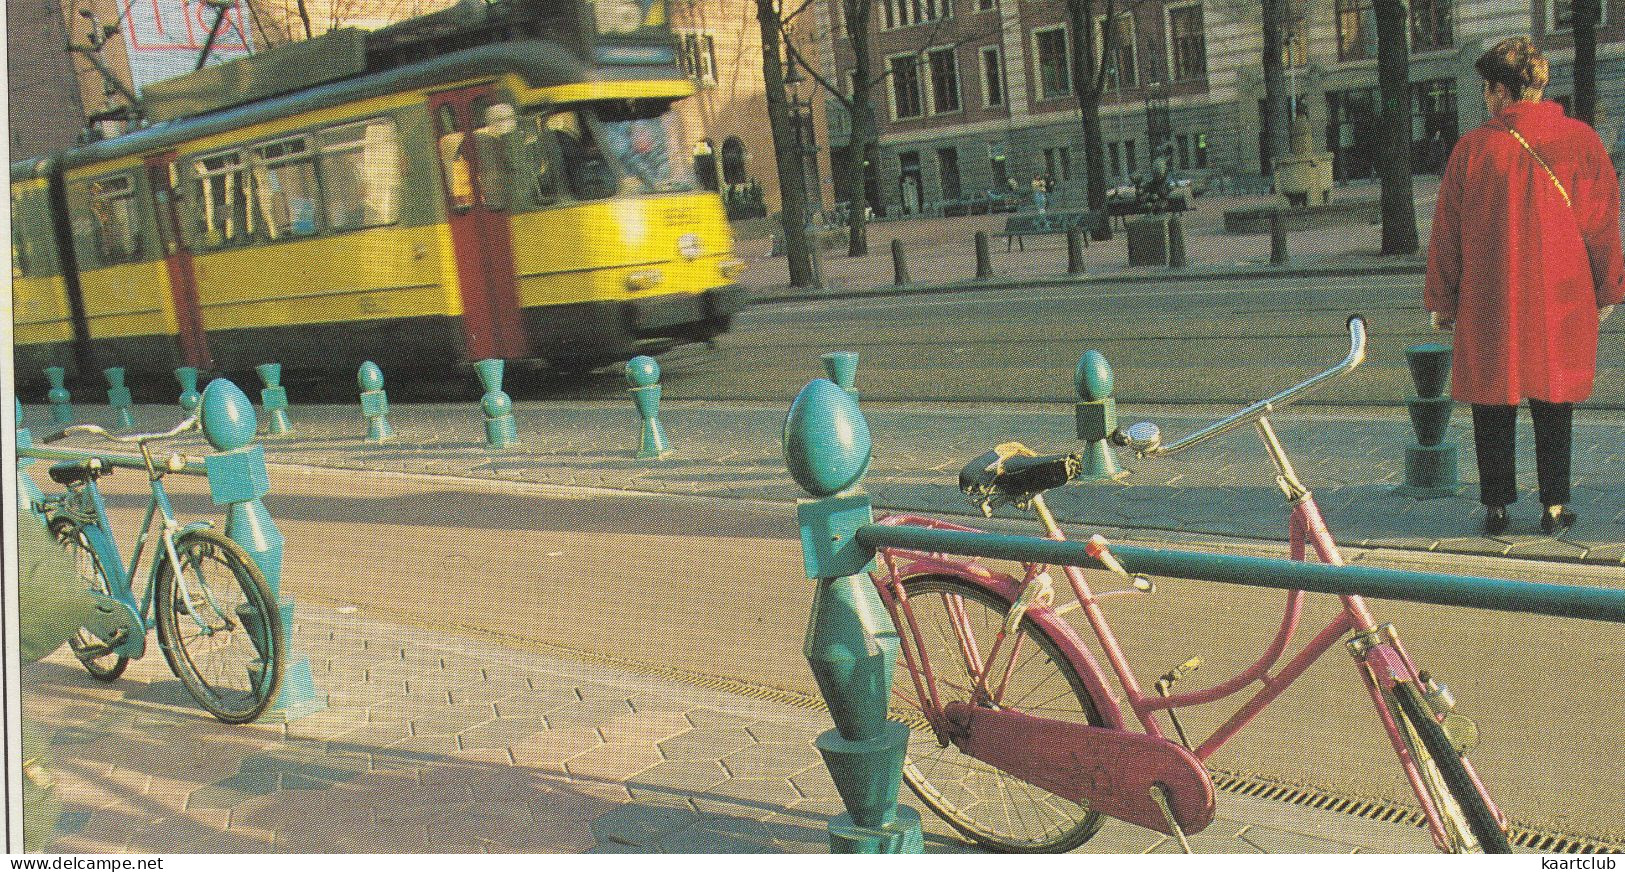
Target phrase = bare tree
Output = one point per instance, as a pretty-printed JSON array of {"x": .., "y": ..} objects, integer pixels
[
  {"x": 787, "y": 149},
  {"x": 1276, "y": 121},
  {"x": 1394, "y": 149},
  {"x": 1586, "y": 13},
  {"x": 859, "y": 100}
]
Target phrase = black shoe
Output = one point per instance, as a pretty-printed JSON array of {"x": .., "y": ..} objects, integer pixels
[
  {"x": 1495, "y": 520},
  {"x": 1556, "y": 518}
]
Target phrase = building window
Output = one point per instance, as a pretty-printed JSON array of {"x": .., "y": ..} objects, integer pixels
[
  {"x": 1128, "y": 156},
  {"x": 944, "y": 80},
  {"x": 1188, "y": 42},
  {"x": 905, "y": 87},
  {"x": 1560, "y": 15},
  {"x": 904, "y": 13},
  {"x": 1058, "y": 163},
  {"x": 1200, "y": 151},
  {"x": 986, "y": 5},
  {"x": 992, "y": 76},
  {"x": 1124, "y": 59},
  {"x": 1182, "y": 149},
  {"x": 1430, "y": 25},
  {"x": 697, "y": 55},
  {"x": 948, "y": 163},
  {"x": 1356, "y": 30},
  {"x": 1114, "y": 159},
  {"x": 1433, "y": 124},
  {"x": 1054, "y": 64}
]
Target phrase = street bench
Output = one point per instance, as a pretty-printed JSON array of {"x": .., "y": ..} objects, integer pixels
[
  {"x": 1123, "y": 209},
  {"x": 1018, "y": 227}
]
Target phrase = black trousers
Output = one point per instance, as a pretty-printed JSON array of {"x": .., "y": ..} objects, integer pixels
[{"x": 1494, "y": 434}]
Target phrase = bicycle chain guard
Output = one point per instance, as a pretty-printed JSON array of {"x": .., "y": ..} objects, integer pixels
[{"x": 1112, "y": 771}]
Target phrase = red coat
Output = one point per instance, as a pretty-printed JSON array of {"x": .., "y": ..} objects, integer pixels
[{"x": 1522, "y": 273}]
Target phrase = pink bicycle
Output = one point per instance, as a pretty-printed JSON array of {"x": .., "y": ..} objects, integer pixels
[{"x": 1018, "y": 741}]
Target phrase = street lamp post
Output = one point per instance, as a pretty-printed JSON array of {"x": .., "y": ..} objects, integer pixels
[{"x": 806, "y": 138}]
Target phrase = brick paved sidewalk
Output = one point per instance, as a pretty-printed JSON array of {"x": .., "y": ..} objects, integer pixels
[{"x": 438, "y": 743}]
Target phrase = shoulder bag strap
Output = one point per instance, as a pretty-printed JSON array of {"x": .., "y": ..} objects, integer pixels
[{"x": 1529, "y": 148}]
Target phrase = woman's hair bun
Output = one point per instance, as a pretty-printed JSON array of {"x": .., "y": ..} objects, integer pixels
[{"x": 1517, "y": 63}]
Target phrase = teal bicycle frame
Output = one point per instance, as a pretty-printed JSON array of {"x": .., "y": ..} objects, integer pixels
[{"x": 119, "y": 621}]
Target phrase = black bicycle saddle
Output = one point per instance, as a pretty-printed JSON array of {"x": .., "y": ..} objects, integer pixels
[
  {"x": 1013, "y": 474},
  {"x": 71, "y": 472}
]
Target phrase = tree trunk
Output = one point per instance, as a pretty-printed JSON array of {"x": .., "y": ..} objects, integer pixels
[
  {"x": 786, "y": 150},
  {"x": 1586, "y": 13},
  {"x": 1277, "y": 124},
  {"x": 1086, "y": 75},
  {"x": 1394, "y": 149},
  {"x": 863, "y": 146}
]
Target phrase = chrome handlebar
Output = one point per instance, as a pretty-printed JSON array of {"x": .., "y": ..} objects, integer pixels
[
  {"x": 190, "y": 423},
  {"x": 1145, "y": 438}
]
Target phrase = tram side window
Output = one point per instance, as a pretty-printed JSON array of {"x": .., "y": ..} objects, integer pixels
[
  {"x": 361, "y": 175},
  {"x": 538, "y": 171},
  {"x": 114, "y": 231},
  {"x": 285, "y": 188},
  {"x": 223, "y": 215},
  {"x": 587, "y": 171}
]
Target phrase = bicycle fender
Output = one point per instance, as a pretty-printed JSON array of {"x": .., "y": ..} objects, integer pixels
[{"x": 1111, "y": 770}]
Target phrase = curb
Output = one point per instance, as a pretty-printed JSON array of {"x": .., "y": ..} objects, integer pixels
[{"x": 788, "y": 295}]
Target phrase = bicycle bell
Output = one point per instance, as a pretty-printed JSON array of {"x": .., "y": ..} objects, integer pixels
[{"x": 1143, "y": 437}]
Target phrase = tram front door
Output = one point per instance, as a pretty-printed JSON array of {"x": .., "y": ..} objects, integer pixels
[{"x": 477, "y": 214}]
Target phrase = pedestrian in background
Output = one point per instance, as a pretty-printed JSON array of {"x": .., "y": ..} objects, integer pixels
[
  {"x": 1524, "y": 264},
  {"x": 1040, "y": 194}
]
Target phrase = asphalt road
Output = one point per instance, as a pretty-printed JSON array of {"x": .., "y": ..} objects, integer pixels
[
  {"x": 715, "y": 587},
  {"x": 1224, "y": 341}
]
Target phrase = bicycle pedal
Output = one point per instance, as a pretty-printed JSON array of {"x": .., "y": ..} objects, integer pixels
[{"x": 1173, "y": 675}]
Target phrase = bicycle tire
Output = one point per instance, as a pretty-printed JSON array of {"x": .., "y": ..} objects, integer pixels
[
  {"x": 997, "y": 811},
  {"x": 1454, "y": 794},
  {"x": 233, "y": 665},
  {"x": 71, "y": 536}
]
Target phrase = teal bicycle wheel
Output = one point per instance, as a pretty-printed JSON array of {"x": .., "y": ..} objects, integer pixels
[
  {"x": 107, "y": 667},
  {"x": 219, "y": 627}
]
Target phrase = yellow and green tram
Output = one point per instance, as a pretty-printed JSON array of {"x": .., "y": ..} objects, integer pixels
[{"x": 440, "y": 191}]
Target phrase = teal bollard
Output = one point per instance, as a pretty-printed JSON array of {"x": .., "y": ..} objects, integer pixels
[
  {"x": 842, "y": 367},
  {"x": 274, "y": 397},
  {"x": 61, "y": 411},
  {"x": 118, "y": 396},
  {"x": 237, "y": 480},
  {"x": 374, "y": 402},
  {"x": 643, "y": 374},
  {"x": 1430, "y": 464},
  {"x": 501, "y": 431},
  {"x": 27, "y": 489},
  {"x": 189, "y": 399},
  {"x": 851, "y": 644},
  {"x": 1096, "y": 417}
]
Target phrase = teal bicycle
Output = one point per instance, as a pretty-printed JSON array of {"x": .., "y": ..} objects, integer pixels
[{"x": 217, "y": 621}]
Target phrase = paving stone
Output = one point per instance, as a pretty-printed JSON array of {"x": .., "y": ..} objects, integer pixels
[
  {"x": 638, "y": 825},
  {"x": 498, "y": 733},
  {"x": 707, "y": 742},
  {"x": 615, "y": 761},
  {"x": 551, "y": 748},
  {"x": 771, "y": 761},
  {"x": 652, "y": 726},
  {"x": 753, "y": 798}
]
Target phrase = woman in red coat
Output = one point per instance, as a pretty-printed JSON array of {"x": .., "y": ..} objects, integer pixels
[{"x": 1524, "y": 263}]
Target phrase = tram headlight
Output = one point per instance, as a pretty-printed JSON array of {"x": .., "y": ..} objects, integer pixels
[
  {"x": 688, "y": 245},
  {"x": 643, "y": 279}
]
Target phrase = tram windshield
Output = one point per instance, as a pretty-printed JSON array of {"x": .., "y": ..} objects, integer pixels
[{"x": 591, "y": 151}]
